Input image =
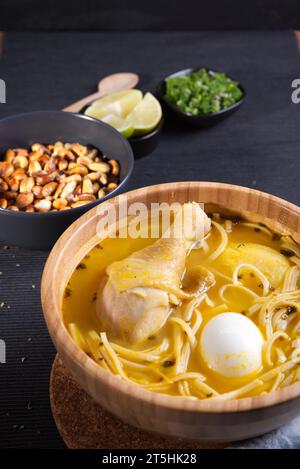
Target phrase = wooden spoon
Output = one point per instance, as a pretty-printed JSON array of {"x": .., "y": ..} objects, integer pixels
[{"x": 110, "y": 84}]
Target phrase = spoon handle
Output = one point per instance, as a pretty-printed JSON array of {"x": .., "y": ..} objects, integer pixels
[{"x": 78, "y": 105}]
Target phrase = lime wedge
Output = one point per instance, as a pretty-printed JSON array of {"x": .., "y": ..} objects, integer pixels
[
  {"x": 146, "y": 115},
  {"x": 120, "y": 104},
  {"x": 122, "y": 125}
]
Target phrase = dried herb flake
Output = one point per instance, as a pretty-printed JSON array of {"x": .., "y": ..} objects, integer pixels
[
  {"x": 68, "y": 292},
  {"x": 168, "y": 363},
  {"x": 287, "y": 252}
]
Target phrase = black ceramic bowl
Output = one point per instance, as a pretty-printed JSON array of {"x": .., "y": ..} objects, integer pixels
[
  {"x": 201, "y": 120},
  {"x": 145, "y": 144},
  {"x": 41, "y": 230}
]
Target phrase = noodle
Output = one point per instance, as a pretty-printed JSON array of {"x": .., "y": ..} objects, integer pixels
[
  {"x": 187, "y": 329},
  {"x": 267, "y": 349},
  {"x": 194, "y": 303},
  {"x": 257, "y": 226},
  {"x": 238, "y": 287},
  {"x": 290, "y": 280},
  {"x": 257, "y": 272},
  {"x": 223, "y": 244},
  {"x": 132, "y": 354}
]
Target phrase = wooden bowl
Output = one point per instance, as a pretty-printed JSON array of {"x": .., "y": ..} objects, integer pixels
[{"x": 195, "y": 420}]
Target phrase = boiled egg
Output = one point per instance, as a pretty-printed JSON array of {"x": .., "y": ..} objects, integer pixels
[{"x": 231, "y": 345}]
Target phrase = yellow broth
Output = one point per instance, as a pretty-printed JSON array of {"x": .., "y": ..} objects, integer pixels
[{"x": 79, "y": 303}]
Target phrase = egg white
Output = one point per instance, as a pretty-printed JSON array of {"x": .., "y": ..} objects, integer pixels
[{"x": 231, "y": 345}]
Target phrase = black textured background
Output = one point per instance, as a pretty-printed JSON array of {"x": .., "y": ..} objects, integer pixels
[
  {"x": 141, "y": 15},
  {"x": 259, "y": 147}
]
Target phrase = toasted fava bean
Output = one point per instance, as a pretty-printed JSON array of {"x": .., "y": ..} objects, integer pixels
[
  {"x": 58, "y": 145},
  {"x": 19, "y": 174},
  {"x": 3, "y": 185},
  {"x": 79, "y": 149},
  {"x": 61, "y": 152},
  {"x": 92, "y": 154},
  {"x": 87, "y": 186},
  {"x": 96, "y": 187},
  {"x": 30, "y": 208},
  {"x": 13, "y": 183},
  {"x": 62, "y": 164},
  {"x": 43, "y": 205},
  {"x": 44, "y": 159},
  {"x": 59, "y": 189},
  {"x": 3, "y": 203},
  {"x": 49, "y": 188},
  {"x": 35, "y": 155},
  {"x": 94, "y": 176},
  {"x": 13, "y": 208},
  {"x": 21, "y": 161},
  {"x": 26, "y": 185},
  {"x": 6, "y": 169},
  {"x": 79, "y": 169},
  {"x": 101, "y": 193},
  {"x": 34, "y": 167},
  {"x": 79, "y": 203},
  {"x": 68, "y": 189},
  {"x": 74, "y": 177},
  {"x": 78, "y": 190},
  {"x": 25, "y": 199},
  {"x": 21, "y": 151},
  {"x": 44, "y": 178},
  {"x": 103, "y": 179},
  {"x": 111, "y": 186},
  {"x": 71, "y": 156},
  {"x": 61, "y": 176},
  {"x": 84, "y": 160},
  {"x": 71, "y": 198},
  {"x": 39, "y": 147},
  {"x": 37, "y": 192},
  {"x": 50, "y": 165},
  {"x": 60, "y": 204},
  {"x": 11, "y": 195},
  {"x": 102, "y": 167},
  {"x": 115, "y": 169},
  {"x": 88, "y": 197},
  {"x": 67, "y": 154},
  {"x": 9, "y": 156}
]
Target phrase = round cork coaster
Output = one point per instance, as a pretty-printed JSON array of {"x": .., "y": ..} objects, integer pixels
[{"x": 83, "y": 424}]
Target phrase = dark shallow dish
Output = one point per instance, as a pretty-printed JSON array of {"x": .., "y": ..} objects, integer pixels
[
  {"x": 202, "y": 120},
  {"x": 144, "y": 145},
  {"x": 41, "y": 230}
]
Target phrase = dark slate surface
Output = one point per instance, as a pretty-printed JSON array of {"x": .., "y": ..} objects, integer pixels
[
  {"x": 132, "y": 15},
  {"x": 258, "y": 146}
]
